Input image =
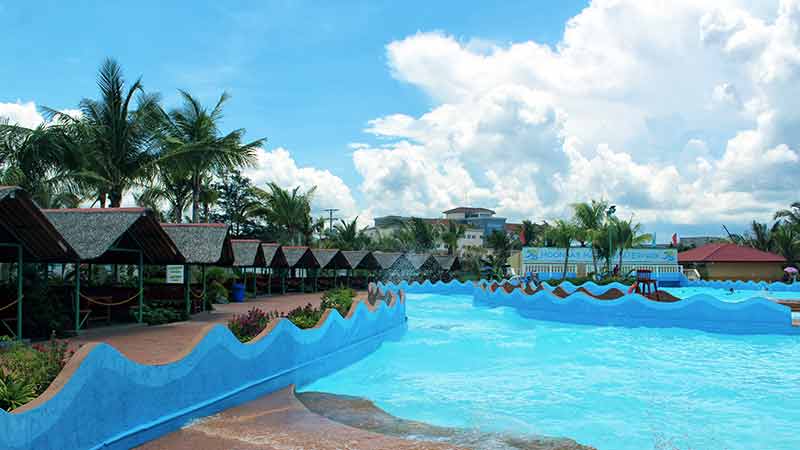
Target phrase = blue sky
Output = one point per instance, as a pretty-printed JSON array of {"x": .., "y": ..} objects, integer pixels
[
  {"x": 679, "y": 112},
  {"x": 307, "y": 75}
]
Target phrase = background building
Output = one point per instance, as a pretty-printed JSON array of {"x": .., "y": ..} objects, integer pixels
[{"x": 726, "y": 261}]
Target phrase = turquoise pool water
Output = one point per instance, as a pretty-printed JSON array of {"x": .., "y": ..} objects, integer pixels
[
  {"x": 728, "y": 296},
  {"x": 612, "y": 388}
]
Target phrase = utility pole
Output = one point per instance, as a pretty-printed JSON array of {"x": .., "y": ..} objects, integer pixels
[{"x": 330, "y": 212}]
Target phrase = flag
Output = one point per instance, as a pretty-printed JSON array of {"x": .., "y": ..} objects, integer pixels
[{"x": 675, "y": 239}]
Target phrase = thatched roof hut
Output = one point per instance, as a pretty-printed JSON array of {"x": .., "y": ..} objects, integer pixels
[
  {"x": 361, "y": 259},
  {"x": 21, "y": 222},
  {"x": 330, "y": 259},
  {"x": 423, "y": 262},
  {"x": 102, "y": 235},
  {"x": 300, "y": 258},
  {"x": 387, "y": 259},
  {"x": 202, "y": 243},
  {"x": 448, "y": 263},
  {"x": 274, "y": 256},
  {"x": 247, "y": 253}
]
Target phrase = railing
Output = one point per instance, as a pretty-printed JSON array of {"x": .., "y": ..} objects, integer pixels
[
  {"x": 655, "y": 268},
  {"x": 549, "y": 268}
]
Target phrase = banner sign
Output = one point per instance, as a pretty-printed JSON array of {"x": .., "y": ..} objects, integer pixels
[
  {"x": 174, "y": 274},
  {"x": 547, "y": 255}
]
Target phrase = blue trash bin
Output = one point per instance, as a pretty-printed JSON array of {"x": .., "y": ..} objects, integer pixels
[{"x": 237, "y": 292}]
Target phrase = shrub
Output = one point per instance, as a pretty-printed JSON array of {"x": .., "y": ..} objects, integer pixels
[
  {"x": 247, "y": 326},
  {"x": 339, "y": 299},
  {"x": 26, "y": 371},
  {"x": 159, "y": 313},
  {"x": 305, "y": 316}
]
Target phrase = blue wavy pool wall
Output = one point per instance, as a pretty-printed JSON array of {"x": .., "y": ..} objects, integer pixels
[
  {"x": 745, "y": 285},
  {"x": 700, "y": 312},
  {"x": 112, "y": 402}
]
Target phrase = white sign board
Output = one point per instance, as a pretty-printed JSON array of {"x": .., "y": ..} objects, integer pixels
[
  {"x": 174, "y": 274},
  {"x": 533, "y": 255}
]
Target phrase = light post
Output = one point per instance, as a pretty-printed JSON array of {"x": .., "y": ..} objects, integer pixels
[{"x": 609, "y": 213}]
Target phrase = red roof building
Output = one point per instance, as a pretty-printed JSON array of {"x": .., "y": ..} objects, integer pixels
[{"x": 723, "y": 260}]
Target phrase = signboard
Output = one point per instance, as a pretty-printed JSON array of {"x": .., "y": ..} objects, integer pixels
[
  {"x": 546, "y": 255},
  {"x": 174, "y": 274}
]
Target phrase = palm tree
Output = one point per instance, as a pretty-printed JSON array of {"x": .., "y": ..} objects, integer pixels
[
  {"x": 590, "y": 218},
  {"x": 786, "y": 241},
  {"x": 191, "y": 137},
  {"x": 562, "y": 233},
  {"x": 41, "y": 160},
  {"x": 791, "y": 215},
  {"x": 171, "y": 185},
  {"x": 208, "y": 197},
  {"x": 417, "y": 235},
  {"x": 451, "y": 233},
  {"x": 628, "y": 236},
  {"x": 289, "y": 211},
  {"x": 347, "y": 236},
  {"x": 119, "y": 142}
]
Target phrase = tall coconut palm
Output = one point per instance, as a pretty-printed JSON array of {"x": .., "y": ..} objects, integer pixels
[
  {"x": 451, "y": 233},
  {"x": 191, "y": 137},
  {"x": 288, "y": 211},
  {"x": 172, "y": 185},
  {"x": 347, "y": 236},
  {"x": 418, "y": 235},
  {"x": 41, "y": 160},
  {"x": 790, "y": 216},
  {"x": 119, "y": 141},
  {"x": 590, "y": 218},
  {"x": 562, "y": 233},
  {"x": 786, "y": 241},
  {"x": 628, "y": 236}
]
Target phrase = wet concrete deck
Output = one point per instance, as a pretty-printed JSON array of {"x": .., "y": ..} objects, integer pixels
[{"x": 279, "y": 422}]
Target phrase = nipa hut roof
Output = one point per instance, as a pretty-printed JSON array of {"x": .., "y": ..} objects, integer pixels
[
  {"x": 448, "y": 262},
  {"x": 330, "y": 258},
  {"x": 102, "y": 234},
  {"x": 202, "y": 243},
  {"x": 247, "y": 253},
  {"x": 22, "y": 222},
  {"x": 387, "y": 259},
  {"x": 361, "y": 259},
  {"x": 300, "y": 258},
  {"x": 274, "y": 256},
  {"x": 420, "y": 260}
]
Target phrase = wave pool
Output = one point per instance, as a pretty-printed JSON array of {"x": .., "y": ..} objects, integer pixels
[{"x": 612, "y": 388}]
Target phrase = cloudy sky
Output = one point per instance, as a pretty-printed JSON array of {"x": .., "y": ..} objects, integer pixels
[{"x": 683, "y": 113}]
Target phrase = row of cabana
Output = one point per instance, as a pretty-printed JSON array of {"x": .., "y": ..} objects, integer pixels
[{"x": 84, "y": 237}]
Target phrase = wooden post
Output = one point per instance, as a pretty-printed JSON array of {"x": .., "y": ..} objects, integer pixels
[
  {"x": 203, "y": 274},
  {"x": 19, "y": 292},
  {"x": 187, "y": 286},
  {"x": 77, "y": 297},
  {"x": 141, "y": 286}
]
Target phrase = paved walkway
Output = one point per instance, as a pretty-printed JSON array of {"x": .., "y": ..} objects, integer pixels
[{"x": 161, "y": 344}]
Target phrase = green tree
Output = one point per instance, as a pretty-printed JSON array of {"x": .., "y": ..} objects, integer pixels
[
  {"x": 238, "y": 204},
  {"x": 628, "y": 236},
  {"x": 191, "y": 138},
  {"x": 451, "y": 233},
  {"x": 590, "y": 218},
  {"x": 347, "y": 235},
  {"x": 41, "y": 160},
  {"x": 790, "y": 216},
  {"x": 288, "y": 211},
  {"x": 562, "y": 233},
  {"x": 418, "y": 235},
  {"x": 120, "y": 142},
  {"x": 786, "y": 241},
  {"x": 172, "y": 185}
]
